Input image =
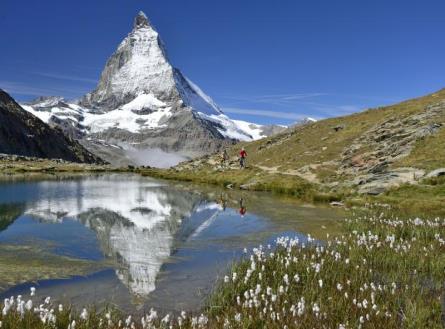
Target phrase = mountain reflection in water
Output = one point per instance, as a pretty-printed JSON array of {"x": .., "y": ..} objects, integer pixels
[{"x": 135, "y": 222}]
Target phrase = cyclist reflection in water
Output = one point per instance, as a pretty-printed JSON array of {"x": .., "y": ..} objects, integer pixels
[{"x": 242, "y": 207}]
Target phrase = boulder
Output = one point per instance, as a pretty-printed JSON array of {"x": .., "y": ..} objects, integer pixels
[{"x": 436, "y": 173}]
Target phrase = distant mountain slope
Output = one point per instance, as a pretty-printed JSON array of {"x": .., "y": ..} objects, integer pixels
[
  {"x": 22, "y": 133},
  {"x": 370, "y": 151},
  {"x": 144, "y": 105}
]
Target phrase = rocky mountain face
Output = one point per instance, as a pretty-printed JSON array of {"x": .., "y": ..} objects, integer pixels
[
  {"x": 144, "y": 108},
  {"x": 24, "y": 134}
]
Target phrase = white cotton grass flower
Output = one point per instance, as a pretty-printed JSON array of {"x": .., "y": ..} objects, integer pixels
[
  {"x": 72, "y": 325},
  {"x": 32, "y": 291},
  {"x": 28, "y": 305},
  {"x": 128, "y": 320},
  {"x": 203, "y": 320},
  {"x": 47, "y": 300},
  {"x": 84, "y": 314},
  {"x": 226, "y": 279},
  {"x": 60, "y": 308},
  {"x": 6, "y": 307}
]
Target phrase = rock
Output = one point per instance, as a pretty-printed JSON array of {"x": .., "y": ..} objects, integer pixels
[
  {"x": 24, "y": 134},
  {"x": 337, "y": 204},
  {"x": 373, "y": 190},
  {"x": 390, "y": 141},
  {"x": 377, "y": 183},
  {"x": 247, "y": 186},
  {"x": 357, "y": 161},
  {"x": 436, "y": 173},
  {"x": 339, "y": 127}
]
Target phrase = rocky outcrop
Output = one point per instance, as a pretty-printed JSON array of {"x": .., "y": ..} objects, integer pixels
[
  {"x": 387, "y": 142},
  {"x": 369, "y": 158},
  {"x": 22, "y": 133}
]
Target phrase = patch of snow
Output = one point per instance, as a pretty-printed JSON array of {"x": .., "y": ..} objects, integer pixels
[
  {"x": 143, "y": 101},
  {"x": 194, "y": 97},
  {"x": 126, "y": 119},
  {"x": 227, "y": 127},
  {"x": 252, "y": 129},
  {"x": 42, "y": 115}
]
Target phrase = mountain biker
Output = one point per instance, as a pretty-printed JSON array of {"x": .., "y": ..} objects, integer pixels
[{"x": 242, "y": 159}]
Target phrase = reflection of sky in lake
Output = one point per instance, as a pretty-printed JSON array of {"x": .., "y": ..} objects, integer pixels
[{"x": 167, "y": 245}]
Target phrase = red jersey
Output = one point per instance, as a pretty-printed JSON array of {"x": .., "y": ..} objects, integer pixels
[{"x": 243, "y": 154}]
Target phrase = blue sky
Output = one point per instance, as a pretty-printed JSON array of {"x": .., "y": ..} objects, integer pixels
[{"x": 263, "y": 61}]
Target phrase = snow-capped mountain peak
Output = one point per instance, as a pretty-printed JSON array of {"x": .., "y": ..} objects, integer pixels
[
  {"x": 141, "y": 20},
  {"x": 143, "y": 102}
]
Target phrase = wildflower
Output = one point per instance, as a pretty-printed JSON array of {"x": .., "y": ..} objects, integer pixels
[
  {"x": 166, "y": 319},
  {"x": 84, "y": 314},
  {"x": 29, "y": 305},
  {"x": 202, "y": 320},
  {"x": 6, "y": 307},
  {"x": 226, "y": 279},
  {"x": 315, "y": 308},
  {"x": 47, "y": 300},
  {"x": 33, "y": 291},
  {"x": 286, "y": 279},
  {"x": 60, "y": 308},
  {"x": 339, "y": 287},
  {"x": 238, "y": 317},
  {"x": 234, "y": 275},
  {"x": 365, "y": 303},
  {"x": 320, "y": 283}
]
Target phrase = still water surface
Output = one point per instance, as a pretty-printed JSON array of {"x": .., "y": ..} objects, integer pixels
[{"x": 140, "y": 242}]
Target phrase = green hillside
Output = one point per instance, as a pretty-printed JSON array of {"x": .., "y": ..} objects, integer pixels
[{"x": 374, "y": 152}]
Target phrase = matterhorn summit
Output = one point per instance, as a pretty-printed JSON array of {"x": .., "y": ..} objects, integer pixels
[
  {"x": 140, "y": 67},
  {"x": 145, "y": 108}
]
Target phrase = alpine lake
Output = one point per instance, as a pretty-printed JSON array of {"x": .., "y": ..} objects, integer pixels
[{"x": 133, "y": 242}]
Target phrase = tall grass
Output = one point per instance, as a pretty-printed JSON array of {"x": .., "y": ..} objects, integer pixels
[{"x": 384, "y": 272}]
